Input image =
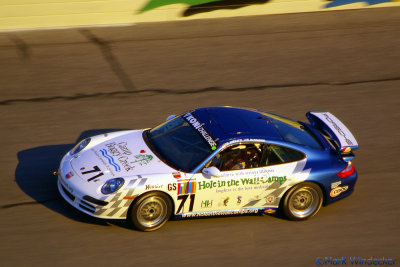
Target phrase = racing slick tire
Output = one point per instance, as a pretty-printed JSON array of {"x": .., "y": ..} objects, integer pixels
[
  {"x": 302, "y": 201},
  {"x": 151, "y": 211}
]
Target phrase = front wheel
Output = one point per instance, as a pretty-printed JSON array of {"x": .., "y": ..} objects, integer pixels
[
  {"x": 302, "y": 201},
  {"x": 151, "y": 211}
]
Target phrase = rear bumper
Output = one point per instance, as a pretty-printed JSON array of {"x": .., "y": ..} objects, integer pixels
[{"x": 344, "y": 188}]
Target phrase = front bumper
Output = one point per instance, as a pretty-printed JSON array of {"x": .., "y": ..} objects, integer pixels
[
  {"x": 79, "y": 203},
  {"x": 115, "y": 206}
]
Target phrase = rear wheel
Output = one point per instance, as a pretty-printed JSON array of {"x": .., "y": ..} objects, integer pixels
[
  {"x": 151, "y": 211},
  {"x": 302, "y": 201}
]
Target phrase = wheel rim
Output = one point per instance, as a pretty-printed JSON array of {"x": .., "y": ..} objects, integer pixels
[
  {"x": 152, "y": 211},
  {"x": 304, "y": 202}
]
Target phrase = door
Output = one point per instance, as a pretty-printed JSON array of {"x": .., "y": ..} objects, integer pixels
[{"x": 253, "y": 177}]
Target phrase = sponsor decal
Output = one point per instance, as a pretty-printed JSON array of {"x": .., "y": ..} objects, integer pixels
[
  {"x": 269, "y": 210},
  {"x": 121, "y": 152},
  {"x": 262, "y": 180},
  {"x": 123, "y": 147},
  {"x": 171, "y": 187},
  {"x": 69, "y": 175},
  {"x": 335, "y": 184},
  {"x": 241, "y": 182},
  {"x": 225, "y": 202},
  {"x": 243, "y": 140},
  {"x": 258, "y": 173},
  {"x": 206, "y": 203},
  {"x": 110, "y": 160},
  {"x": 142, "y": 151},
  {"x": 239, "y": 200},
  {"x": 186, "y": 187},
  {"x": 270, "y": 199},
  {"x": 154, "y": 187},
  {"x": 340, "y": 131},
  {"x": 142, "y": 159},
  {"x": 338, "y": 190},
  {"x": 220, "y": 213},
  {"x": 176, "y": 175},
  {"x": 119, "y": 149},
  {"x": 199, "y": 127},
  {"x": 124, "y": 160}
]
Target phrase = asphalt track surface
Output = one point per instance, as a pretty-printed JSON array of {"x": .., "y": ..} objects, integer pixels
[{"x": 59, "y": 85}]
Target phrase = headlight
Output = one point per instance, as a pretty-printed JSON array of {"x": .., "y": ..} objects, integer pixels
[
  {"x": 80, "y": 146},
  {"x": 112, "y": 185}
]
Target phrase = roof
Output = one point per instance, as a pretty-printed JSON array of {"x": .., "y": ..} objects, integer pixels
[{"x": 229, "y": 123}]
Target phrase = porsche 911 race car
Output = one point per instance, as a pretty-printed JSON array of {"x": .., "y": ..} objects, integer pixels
[{"x": 211, "y": 161}]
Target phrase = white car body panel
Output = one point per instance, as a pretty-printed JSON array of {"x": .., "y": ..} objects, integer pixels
[
  {"x": 237, "y": 191},
  {"x": 125, "y": 154}
]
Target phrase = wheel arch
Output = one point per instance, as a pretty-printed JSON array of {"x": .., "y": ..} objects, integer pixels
[{"x": 320, "y": 185}]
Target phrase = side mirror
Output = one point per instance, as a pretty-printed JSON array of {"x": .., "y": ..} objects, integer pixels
[
  {"x": 170, "y": 117},
  {"x": 211, "y": 172}
]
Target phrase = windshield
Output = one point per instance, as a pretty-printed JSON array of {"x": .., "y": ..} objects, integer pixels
[{"x": 179, "y": 144}]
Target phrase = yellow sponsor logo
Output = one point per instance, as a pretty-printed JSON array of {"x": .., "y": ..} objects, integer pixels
[
  {"x": 338, "y": 190},
  {"x": 270, "y": 211}
]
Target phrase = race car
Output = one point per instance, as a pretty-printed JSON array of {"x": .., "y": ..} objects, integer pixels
[{"x": 212, "y": 161}]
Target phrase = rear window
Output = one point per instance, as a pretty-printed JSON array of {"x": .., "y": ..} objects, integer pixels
[
  {"x": 298, "y": 135},
  {"x": 284, "y": 154}
]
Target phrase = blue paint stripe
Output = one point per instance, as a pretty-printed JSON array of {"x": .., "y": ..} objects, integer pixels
[
  {"x": 131, "y": 183},
  {"x": 110, "y": 160},
  {"x": 142, "y": 181}
]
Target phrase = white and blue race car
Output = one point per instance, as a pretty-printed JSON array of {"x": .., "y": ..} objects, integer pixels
[{"x": 211, "y": 161}]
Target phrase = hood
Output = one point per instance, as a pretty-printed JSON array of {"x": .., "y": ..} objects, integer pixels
[{"x": 119, "y": 154}]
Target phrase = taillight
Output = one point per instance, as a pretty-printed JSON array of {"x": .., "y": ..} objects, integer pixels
[
  {"x": 347, "y": 171},
  {"x": 345, "y": 150}
]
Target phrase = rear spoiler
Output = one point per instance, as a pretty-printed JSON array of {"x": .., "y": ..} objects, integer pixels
[{"x": 335, "y": 129}]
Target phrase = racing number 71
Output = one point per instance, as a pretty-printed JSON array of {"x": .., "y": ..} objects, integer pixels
[
  {"x": 183, "y": 199},
  {"x": 95, "y": 169}
]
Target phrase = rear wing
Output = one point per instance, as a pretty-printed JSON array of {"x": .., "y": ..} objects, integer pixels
[{"x": 334, "y": 128}]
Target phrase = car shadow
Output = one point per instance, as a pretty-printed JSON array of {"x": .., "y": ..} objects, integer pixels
[
  {"x": 202, "y": 6},
  {"x": 34, "y": 175},
  {"x": 222, "y": 4}
]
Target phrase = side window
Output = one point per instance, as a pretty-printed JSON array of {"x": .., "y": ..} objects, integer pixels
[
  {"x": 237, "y": 157},
  {"x": 274, "y": 154}
]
